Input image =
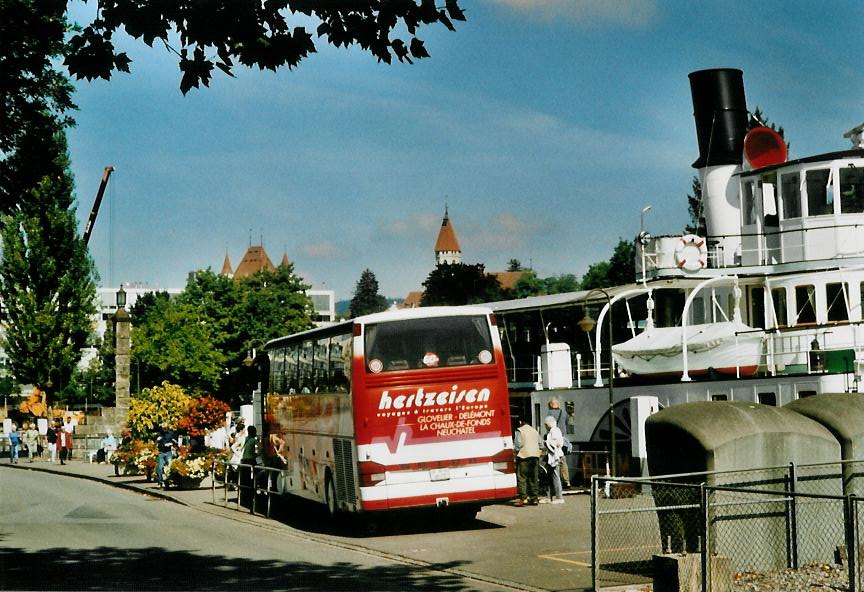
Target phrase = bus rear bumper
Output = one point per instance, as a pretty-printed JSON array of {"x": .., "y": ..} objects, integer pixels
[{"x": 478, "y": 491}]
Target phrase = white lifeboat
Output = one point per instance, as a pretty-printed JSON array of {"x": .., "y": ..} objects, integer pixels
[{"x": 727, "y": 347}]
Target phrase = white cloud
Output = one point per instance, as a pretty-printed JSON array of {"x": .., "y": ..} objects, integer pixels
[
  {"x": 322, "y": 250},
  {"x": 412, "y": 225},
  {"x": 586, "y": 13}
]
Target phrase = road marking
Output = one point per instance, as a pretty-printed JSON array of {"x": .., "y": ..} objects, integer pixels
[{"x": 560, "y": 557}]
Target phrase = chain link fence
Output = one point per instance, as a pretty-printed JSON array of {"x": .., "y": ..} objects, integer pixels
[{"x": 796, "y": 527}]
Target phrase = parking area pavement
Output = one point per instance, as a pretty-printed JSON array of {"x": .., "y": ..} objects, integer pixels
[{"x": 544, "y": 547}]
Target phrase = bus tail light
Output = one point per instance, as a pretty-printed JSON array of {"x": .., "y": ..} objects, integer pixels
[
  {"x": 371, "y": 479},
  {"x": 371, "y": 473},
  {"x": 504, "y": 467}
]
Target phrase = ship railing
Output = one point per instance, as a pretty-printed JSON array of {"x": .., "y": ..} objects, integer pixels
[
  {"x": 814, "y": 349},
  {"x": 815, "y": 240}
]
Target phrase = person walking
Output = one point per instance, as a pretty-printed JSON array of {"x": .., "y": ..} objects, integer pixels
[
  {"x": 30, "y": 437},
  {"x": 554, "y": 453},
  {"x": 64, "y": 444},
  {"x": 166, "y": 441},
  {"x": 51, "y": 439},
  {"x": 14, "y": 443},
  {"x": 526, "y": 445},
  {"x": 561, "y": 417}
]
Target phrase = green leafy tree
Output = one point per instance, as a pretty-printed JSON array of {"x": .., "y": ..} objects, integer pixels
[
  {"x": 622, "y": 264},
  {"x": 597, "y": 276},
  {"x": 619, "y": 270},
  {"x": 460, "y": 283},
  {"x": 47, "y": 278},
  {"x": 178, "y": 343},
  {"x": 264, "y": 34},
  {"x": 527, "y": 285},
  {"x": 515, "y": 265},
  {"x": 558, "y": 284},
  {"x": 696, "y": 208},
  {"x": 272, "y": 304},
  {"x": 366, "y": 298}
]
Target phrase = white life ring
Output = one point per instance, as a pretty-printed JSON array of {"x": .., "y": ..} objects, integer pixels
[{"x": 691, "y": 254}]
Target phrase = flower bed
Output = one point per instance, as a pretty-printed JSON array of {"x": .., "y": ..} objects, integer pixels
[
  {"x": 188, "y": 469},
  {"x": 136, "y": 458}
]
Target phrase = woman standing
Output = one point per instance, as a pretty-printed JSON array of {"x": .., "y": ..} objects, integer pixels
[
  {"x": 554, "y": 453},
  {"x": 249, "y": 456}
]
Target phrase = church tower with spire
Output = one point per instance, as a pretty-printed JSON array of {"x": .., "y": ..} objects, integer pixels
[{"x": 447, "y": 247}]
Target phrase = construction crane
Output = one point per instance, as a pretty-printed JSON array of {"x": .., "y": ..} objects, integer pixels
[{"x": 88, "y": 230}]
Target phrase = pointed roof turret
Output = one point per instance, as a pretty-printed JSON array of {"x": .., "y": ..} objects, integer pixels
[
  {"x": 284, "y": 262},
  {"x": 226, "y": 266},
  {"x": 447, "y": 237},
  {"x": 255, "y": 259}
]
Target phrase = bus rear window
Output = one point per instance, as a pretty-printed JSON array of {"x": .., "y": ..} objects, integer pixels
[{"x": 428, "y": 343}]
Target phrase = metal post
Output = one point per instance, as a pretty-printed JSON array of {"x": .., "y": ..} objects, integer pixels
[
  {"x": 850, "y": 522},
  {"x": 595, "y": 532},
  {"x": 704, "y": 552},
  {"x": 792, "y": 505}
]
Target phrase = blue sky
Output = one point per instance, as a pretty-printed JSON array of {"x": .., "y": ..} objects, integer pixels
[{"x": 546, "y": 126}]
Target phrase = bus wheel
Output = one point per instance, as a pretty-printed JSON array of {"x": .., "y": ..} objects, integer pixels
[{"x": 330, "y": 496}]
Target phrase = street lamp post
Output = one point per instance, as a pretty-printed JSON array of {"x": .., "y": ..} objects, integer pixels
[
  {"x": 586, "y": 324},
  {"x": 122, "y": 354}
]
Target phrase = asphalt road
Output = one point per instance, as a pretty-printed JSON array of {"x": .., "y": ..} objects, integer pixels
[{"x": 59, "y": 533}]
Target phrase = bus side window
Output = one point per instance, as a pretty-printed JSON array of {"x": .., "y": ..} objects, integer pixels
[
  {"x": 340, "y": 363},
  {"x": 322, "y": 365},
  {"x": 291, "y": 367},
  {"x": 306, "y": 378}
]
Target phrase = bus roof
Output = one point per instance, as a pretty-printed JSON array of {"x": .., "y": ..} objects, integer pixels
[{"x": 380, "y": 317}]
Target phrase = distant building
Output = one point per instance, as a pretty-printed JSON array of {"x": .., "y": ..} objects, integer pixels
[
  {"x": 447, "y": 250},
  {"x": 256, "y": 259}
]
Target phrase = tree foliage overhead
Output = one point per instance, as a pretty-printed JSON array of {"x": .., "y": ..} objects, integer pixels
[
  {"x": 31, "y": 37},
  {"x": 366, "y": 298},
  {"x": 219, "y": 33}
]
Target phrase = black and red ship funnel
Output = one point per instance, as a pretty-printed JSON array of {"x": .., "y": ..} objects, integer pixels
[{"x": 720, "y": 111}]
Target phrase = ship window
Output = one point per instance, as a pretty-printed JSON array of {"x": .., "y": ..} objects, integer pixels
[
  {"x": 757, "y": 307},
  {"x": 767, "y": 399},
  {"x": 790, "y": 195},
  {"x": 719, "y": 398},
  {"x": 749, "y": 205},
  {"x": 805, "y": 394},
  {"x": 778, "y": 298},
  {"x": 851, "y": 190},
  {"x": 838, "y": 310},
  {"x": 805, "y": 304},
  {"x": 820, "y": 201},
  {"x": 698, "y": 311}
]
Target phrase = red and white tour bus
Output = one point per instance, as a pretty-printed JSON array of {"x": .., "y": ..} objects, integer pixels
[{"x": 400, "y": 409}]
